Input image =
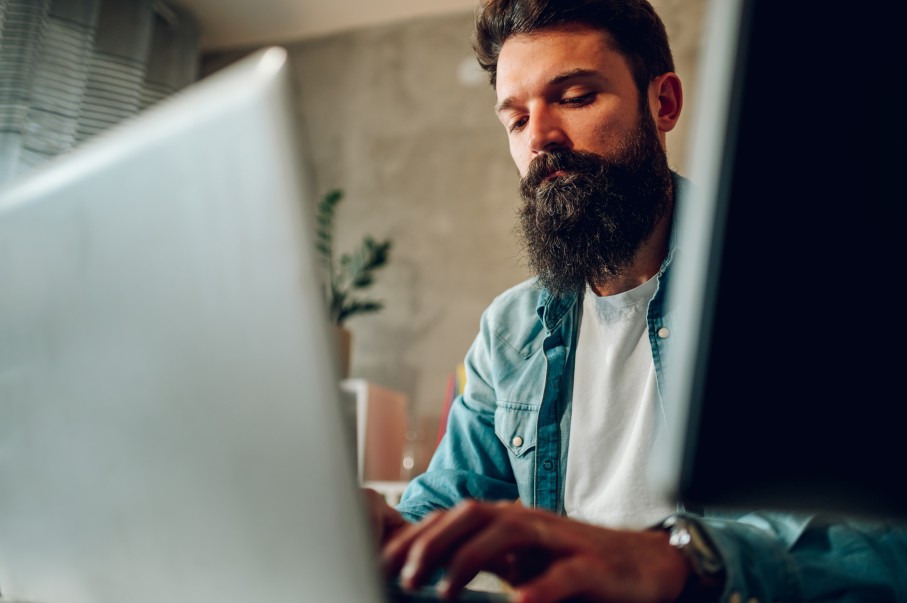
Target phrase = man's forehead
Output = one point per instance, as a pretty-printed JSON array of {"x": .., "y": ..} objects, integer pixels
[{"x": 548, "y": 55}]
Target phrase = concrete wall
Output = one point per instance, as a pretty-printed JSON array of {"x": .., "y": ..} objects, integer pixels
[{"x": 401, "y": 119}]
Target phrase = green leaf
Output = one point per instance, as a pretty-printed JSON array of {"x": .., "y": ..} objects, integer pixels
[
  {"x": 354, "y": 270},
  {"x": 355, "y": 307},
  {"x": 363, "y": 279}
]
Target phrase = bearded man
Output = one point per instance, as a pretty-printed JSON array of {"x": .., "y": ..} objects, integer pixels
[{"x": 572, "y": 360}]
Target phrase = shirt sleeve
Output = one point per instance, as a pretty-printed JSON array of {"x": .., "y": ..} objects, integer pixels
[
  {"x": 781, "y": 557},
  {"x": 470, "y": 462}
]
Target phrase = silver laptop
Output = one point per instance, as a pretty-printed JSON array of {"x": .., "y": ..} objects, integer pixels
[{"x": 170, "y": 422}]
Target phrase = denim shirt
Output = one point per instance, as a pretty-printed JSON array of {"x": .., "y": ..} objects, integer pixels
[{"x": 508, "y": 434}]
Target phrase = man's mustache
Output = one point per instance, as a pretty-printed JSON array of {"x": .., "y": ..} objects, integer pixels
[{"x": 558, "y": 160}]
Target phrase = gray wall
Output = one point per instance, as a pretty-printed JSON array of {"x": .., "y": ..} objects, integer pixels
[{"x": 399, "y": 118}]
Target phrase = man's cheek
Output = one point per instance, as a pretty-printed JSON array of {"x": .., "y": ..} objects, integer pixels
[{"x": 521, "y": 159}]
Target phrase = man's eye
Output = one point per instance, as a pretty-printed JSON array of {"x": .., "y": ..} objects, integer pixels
[
  {"x": 578, "y": 101},
  {"x": 517, "y": 124}
]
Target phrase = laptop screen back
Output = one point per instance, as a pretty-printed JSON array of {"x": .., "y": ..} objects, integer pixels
[{"x": 169, "y": 408}]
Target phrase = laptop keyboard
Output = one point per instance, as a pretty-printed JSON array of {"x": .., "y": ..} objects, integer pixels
[{"x": 429, "y": 595}]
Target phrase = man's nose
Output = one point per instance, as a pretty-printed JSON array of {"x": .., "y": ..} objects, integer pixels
[{"x": 546, "y": 133}]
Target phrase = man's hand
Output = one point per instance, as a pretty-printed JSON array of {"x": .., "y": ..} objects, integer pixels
[
  {"x": 546, "y": 557},
  {"x": 385, "y": 519}
]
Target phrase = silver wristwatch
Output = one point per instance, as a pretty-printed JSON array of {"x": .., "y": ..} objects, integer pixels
[{"x": 697, "y": 547}]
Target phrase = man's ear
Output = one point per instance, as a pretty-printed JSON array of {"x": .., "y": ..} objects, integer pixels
[{"x": 666, "y": 101}]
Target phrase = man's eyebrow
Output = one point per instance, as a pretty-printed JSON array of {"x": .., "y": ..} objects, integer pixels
[
  {"x": 560, "y": 78},
  {"x": 504, "y": 105},
  {"x": 573, "y": 74}
]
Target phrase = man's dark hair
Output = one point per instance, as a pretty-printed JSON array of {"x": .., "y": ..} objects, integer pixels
[{"x": 635, "y": 28}]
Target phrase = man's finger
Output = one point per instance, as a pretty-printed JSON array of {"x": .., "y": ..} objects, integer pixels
[
  {"x": 498, "y": 548},
  {"x": 395, "y": 550},
  {"x": 384, "y": 519},
  {"x": 593, "y": 577},
  {"x": 431, "y": 548},
  {"x": 562, "y": 580}
]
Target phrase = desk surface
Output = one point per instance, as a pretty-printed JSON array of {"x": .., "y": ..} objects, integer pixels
[{"x": 392, "y": 491}]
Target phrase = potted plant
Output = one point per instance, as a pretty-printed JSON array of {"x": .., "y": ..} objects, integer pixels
[{"x": 348, "y": 276}]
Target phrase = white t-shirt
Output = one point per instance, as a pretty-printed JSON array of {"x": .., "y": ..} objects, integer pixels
[{"x": 613, "y": 415}]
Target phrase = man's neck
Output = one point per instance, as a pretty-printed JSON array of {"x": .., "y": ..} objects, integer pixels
[{"x": 646, "y": 263}]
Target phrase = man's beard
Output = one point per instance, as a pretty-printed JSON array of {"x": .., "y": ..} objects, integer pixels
[{"x": 586, "y": 226}]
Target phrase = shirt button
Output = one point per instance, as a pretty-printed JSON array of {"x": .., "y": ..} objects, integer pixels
[
  {"x": 548, "y": 465},
  {"x": 664, "y": 332},
  {"x": 517, "y": 441}
]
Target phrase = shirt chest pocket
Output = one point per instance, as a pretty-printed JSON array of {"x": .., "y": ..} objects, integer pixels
[{"x": 516, "y": 425}]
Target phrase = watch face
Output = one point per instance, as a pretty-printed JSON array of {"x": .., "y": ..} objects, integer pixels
[
  {"x": 696, "y": 545},
  {"x": 680, "y": 537}
]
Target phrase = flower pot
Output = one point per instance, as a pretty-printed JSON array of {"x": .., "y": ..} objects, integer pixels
[{"x": 344, "y": 343}]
